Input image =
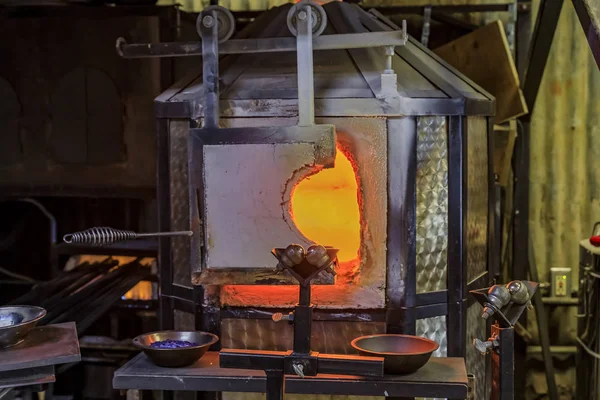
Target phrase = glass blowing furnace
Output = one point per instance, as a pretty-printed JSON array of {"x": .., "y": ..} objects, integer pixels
[{"x": 407, "y": 199}]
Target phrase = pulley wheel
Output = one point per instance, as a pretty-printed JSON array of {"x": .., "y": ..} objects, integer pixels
[
  {"x": 319, "y": 17},
  {"x": 225, "y": 20}
]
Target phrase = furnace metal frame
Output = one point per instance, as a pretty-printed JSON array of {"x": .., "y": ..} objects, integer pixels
[{"x": 178, "y": 108}]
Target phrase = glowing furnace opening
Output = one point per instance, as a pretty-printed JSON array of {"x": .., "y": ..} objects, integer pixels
[{"x": 325, "y": 208}]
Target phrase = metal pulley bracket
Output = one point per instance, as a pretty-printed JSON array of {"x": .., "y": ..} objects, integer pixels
[
  {"x": 209, "y": 24},
  {"x": 318, "y": 17},
  {"x": 220, "y": 16},
  {"x": 302, "y": 15},
  {"x": 306, "y": 20}
]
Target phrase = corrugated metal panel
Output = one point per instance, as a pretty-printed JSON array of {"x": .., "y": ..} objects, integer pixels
[
  {"x": 432, "y": 204},
  {"x": 564, "y": 183},
  {"x": 435, "y": 329}
]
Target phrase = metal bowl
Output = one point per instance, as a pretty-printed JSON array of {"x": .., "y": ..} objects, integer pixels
[
  {"x": 402, "y": 354},
  {"x": 180, "y": 357},
  {"x": 16, "y": 322}
]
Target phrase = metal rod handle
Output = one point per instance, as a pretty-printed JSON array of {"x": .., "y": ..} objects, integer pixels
[
  {"x": 103, "y": 236},
  {"x": 263, "y": 45}
]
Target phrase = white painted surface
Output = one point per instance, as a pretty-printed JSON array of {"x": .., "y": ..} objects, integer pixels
[{"x": 246, "y": 215}]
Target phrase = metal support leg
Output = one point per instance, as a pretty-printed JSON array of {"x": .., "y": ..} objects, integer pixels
[
  {"x": 303, "y": 315},
  {"x": 520, "y": 229},
  {"x": 306, "y": 89},
  {"x": 302, "y": 329},
  {"x": 503, "y": 364},
  {"x": 587, "y": 11},
  {"x": 542, "y": 320},
  {"x": 541, "y": 41},
  {"x": 275, "y": 385}
]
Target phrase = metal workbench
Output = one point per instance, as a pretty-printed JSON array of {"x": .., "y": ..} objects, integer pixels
[
  {"x": 440, "y": 377},
  {"x": 32, "y": 362}
]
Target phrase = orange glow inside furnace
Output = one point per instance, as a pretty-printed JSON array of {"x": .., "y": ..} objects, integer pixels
[
  {"x": 325, "y": 208},
  {"x": 141, "y": 291}
]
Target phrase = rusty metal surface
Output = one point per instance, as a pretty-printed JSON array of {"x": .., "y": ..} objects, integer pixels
[
  {"x": 264, "y": 334},
  {"x": 27, "y": 377},
  {"x": 477, "y": 197},
  {"x": 45, "y": 345},
  {"x": 476, "y": 362},
  {"x": 434, "y": 328},
  {"x": 432, "y": 204}
]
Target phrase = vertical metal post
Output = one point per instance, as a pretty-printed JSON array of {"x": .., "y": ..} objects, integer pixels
[
  {"x": 304, "y": 53},
  {"x": 303, "y": 314},
  {"x": 163, "y": 196},
  {"x": 522, "y": 36},
  {"x": 541, "y": 41},
  {"x": 426, "y": 26},
  {"x": 457, "y": 261},
  {"x": 520, "y": 226},
  {"x": 494, "y": 210},
  {"x": 542, "y": 320},
  {"x": 582, "y": 359},
  {"x": 401, "y": 284},
  {"x": 587, "y": 11},
  {"x": 539, "y": 49},
  {"x": 275, "y": 385},
  {"x": 503, "y": 364},
  {"x": 495, "y": 271},
  {"x": 210, "y": 69}
]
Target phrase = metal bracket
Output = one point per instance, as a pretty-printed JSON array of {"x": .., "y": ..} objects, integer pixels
[
  {"x": 304, "y": 52},
  {"x": 389, "y": 79},
  {"x": 486, "y": 347},
  {"x": 209, "y": 27}
]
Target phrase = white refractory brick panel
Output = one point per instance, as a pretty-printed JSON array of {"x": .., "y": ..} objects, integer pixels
[{"x": 246, "y": 211}]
